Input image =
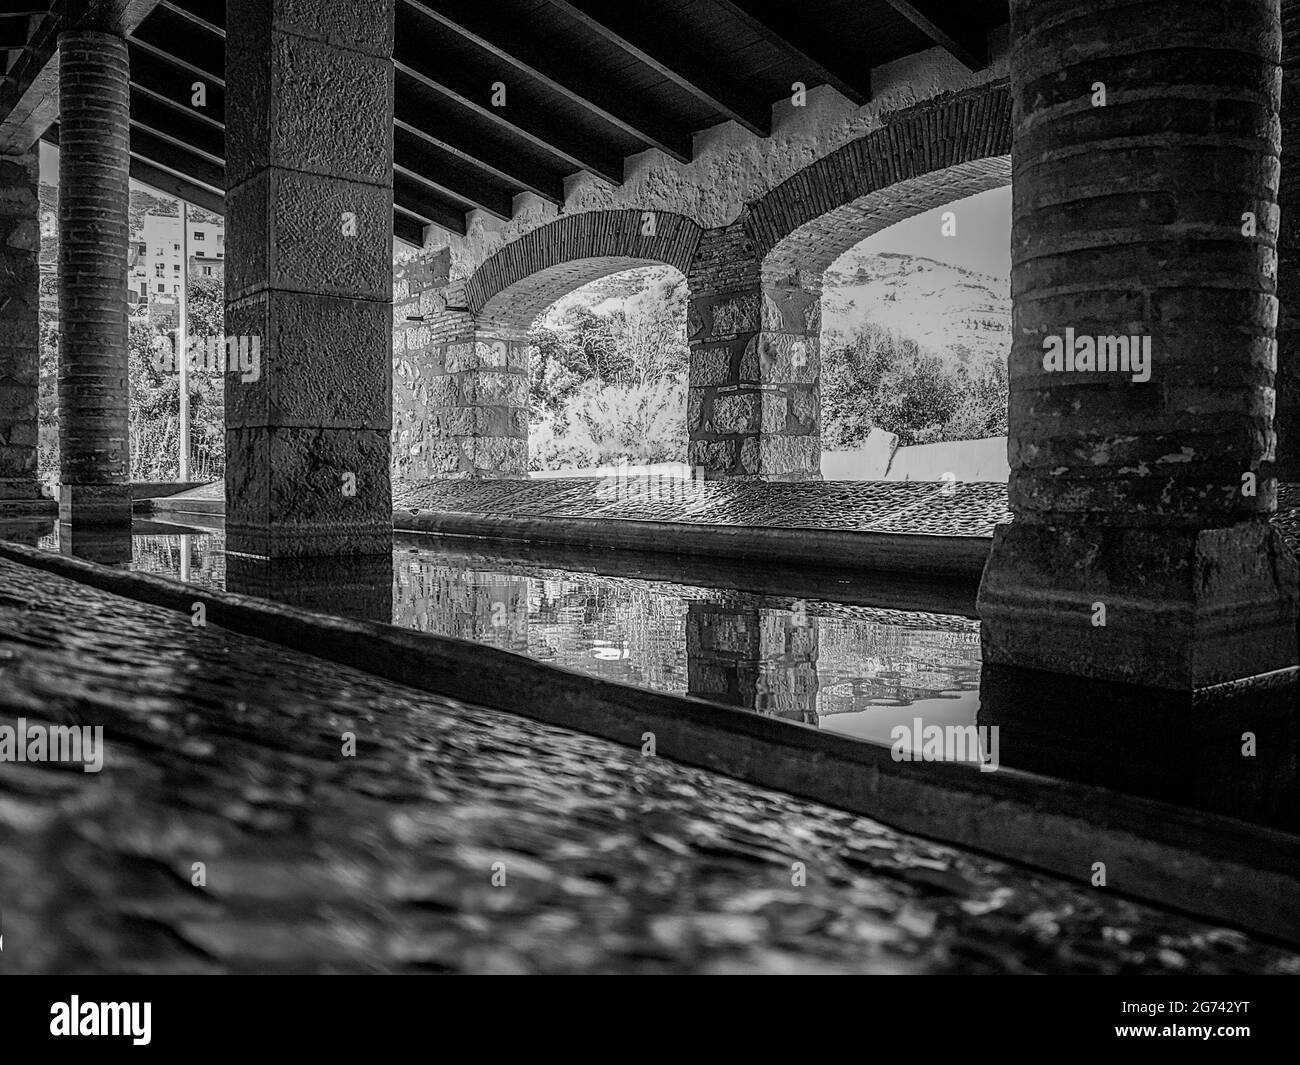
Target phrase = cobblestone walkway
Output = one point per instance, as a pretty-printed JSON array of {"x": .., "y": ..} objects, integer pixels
[
  {"x": 863, "y": 506},
  {"x": 921, "y": 507},
  {"x": 225, "y": 750}
]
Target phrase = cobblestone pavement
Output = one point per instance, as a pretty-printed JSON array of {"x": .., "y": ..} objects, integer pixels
[
  {"x": 921, "y": 507},
  {"x": 861, "y": 506},
  {"x": 225, "y": 750}
]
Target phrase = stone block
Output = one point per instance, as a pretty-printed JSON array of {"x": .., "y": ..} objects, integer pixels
[
  {"x": 1185, "y": 608},
  {"x": 780, "y": 455},
  {"x": 735, "y": 413},
  {"x": 308, "y": 491},
  {"x": 285, "y": 232},
  {"x": 325, "y": 362},
  {"x": 710, "y": 366},
  {"x": 307, "y": 106}
]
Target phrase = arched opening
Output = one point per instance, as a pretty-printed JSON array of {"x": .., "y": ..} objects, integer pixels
[
  {"x": 607, "y": 374},
  {"x": 913, "y": 281},
  {"x": 916, "y": 331}
]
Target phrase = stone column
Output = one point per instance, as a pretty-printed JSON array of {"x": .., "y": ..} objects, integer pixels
[
  {"x": 309, "y": 145},
  {"x": 1141, "y": 549},
  {"x": 94, "y": 191},
  {"x": 461, "y": 403},
  {"x": 20, "y": 342},
  {"x": 754, "y": 407}
]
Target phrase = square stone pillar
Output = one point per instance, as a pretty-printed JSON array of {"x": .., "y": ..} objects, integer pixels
[
  {"x": 1142, "y": 488},
  {"x": 20, "y": 342},
  {"x": 309, "y": 145},
  {"x": 461, "y": 384},
  {"x": 754, "y": 408}
]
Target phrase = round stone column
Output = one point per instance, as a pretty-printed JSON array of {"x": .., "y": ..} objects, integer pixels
[
  {"x": 1145, "y": 168},
  {"x": 94, "y": 168}
]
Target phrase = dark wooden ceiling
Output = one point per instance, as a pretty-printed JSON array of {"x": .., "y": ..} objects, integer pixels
[{"x": 589, "y": 83}]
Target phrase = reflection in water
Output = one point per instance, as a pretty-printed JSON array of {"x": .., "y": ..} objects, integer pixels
[
  {"x": 107, "y": 545},
  {"x": 854, "y": 669},
  {"x": 857, "y": 670},
  {"x": 1231, "y": 750}
]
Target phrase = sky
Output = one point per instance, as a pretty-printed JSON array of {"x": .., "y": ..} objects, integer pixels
[{"x": 982, "y": 241}]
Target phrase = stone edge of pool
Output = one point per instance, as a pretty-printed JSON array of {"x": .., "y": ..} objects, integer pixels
[
  {"x": 937, "y": 555},
  {"x": 1213, "y": 867}
]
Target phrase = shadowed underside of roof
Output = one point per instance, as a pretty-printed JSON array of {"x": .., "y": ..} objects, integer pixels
[{"x": 589, "y": 83}]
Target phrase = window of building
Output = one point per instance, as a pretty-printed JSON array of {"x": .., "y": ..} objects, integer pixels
[
  {"x": 176, "y": 268},
  {"x": 162, "y": 288},
  {"x": 207, "y": 271},
  {"x": 158, "y": 270},
  {"x": 176, "y": 247},
  {"x": 199, "y": 235}
]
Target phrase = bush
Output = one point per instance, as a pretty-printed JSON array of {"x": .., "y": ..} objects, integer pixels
[
  {"x": 608, "y": 424},
  {"x": 884, "y": 380}
]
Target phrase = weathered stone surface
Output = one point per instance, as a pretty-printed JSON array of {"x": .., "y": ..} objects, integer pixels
[
  {"x": 730, "y": 300},
  {"x": 735, "y": 413},
  {"x": 93, "y": 231},
  {"x": 317, "y": 365},
  {"x": 1185, "y": 609},
  {"x": 711, "y": 366},
  {"x": 314, "y": 252},
  {"x": 308, "y": 491},
  {"x": 460, "y": 380},
  {"x": 309, "y": 146},
  {"x": 1135, "y": 554},
  {"x": 775, "y": 412},
  {"x": 280, "y": 83},
  {"x": 790, "y": 455}
]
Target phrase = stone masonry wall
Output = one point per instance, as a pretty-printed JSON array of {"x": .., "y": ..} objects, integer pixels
[
  {"x": 461, "y": 387},
  {"x": 753, "y": 409}
]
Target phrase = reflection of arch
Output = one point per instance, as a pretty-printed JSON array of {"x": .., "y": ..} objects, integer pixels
[
  {"x": 928, "y": 155},
  {"x": 530, "y": 273}
]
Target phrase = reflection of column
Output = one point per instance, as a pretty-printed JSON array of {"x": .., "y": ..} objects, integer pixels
[
  {"x": 355, "y": 586},
  {"x": 462, "y": 395},
  {"x": 20, "y": 346},
  {"x": 94, "y": 158},
  {"x": 1235, "y": 753},
  {"x": 109, "y": 545},
  {"x": 309, "y": 169},
  {"x": 760, "y": 659},
  {"x": 466, "y": 604},
  {"x": 1141, "y": 548},
  {"x": 754, "y": 407}
]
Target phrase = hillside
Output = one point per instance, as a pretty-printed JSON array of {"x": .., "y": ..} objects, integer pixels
[{"x": 948, "y": 310}]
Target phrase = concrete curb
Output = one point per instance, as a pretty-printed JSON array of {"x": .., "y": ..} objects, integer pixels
[
  {"x": 808, "y": 581},
  {"x": 1213, "y": 867},
  {"x": 939, "y": 556}
]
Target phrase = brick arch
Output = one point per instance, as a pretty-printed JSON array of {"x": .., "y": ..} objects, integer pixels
[
  {"x": 530, "y": 273},
  {"x": 923, "y": 157}
]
